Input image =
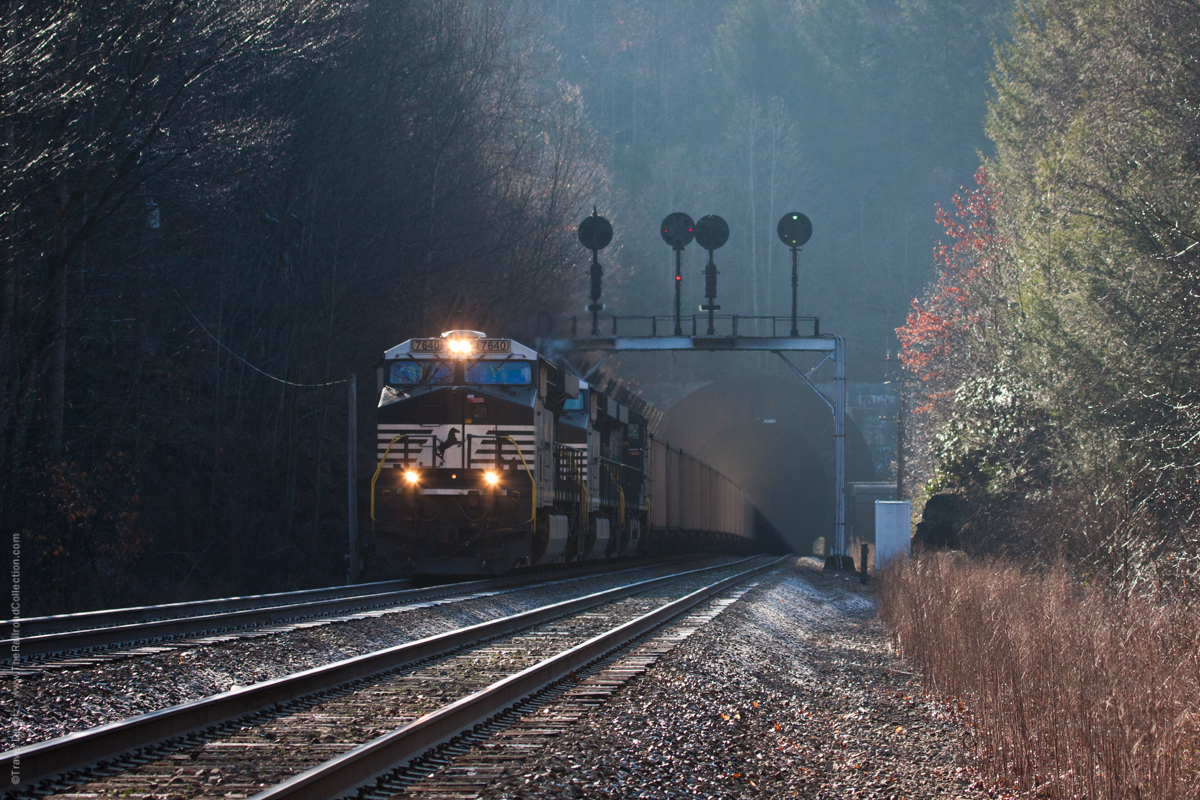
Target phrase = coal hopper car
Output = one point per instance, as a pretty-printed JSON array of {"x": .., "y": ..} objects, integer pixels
[{"x": 493, "y": 458}]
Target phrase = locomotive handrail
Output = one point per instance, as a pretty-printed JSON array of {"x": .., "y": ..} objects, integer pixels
[
  {"x": 612, "y": 472},
  {"x": 379, "y": 469},
  {"x": 622, "y": 475},
  {"x": 586, "y": 505},
  {"x": 567, "y": 478},
  {"x": 532, "y": 483}
]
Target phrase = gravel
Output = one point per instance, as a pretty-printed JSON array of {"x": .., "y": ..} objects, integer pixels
[
  {"x": 266, "y": 751},
  {"x": 791, "y": 692},
  {"x": 56, "y": 703}
]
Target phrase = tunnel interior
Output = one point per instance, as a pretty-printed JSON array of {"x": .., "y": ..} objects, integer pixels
[{"x": 773, "y": 437}]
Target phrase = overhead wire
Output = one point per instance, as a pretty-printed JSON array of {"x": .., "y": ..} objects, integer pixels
[{"x": 226, "y": 348}]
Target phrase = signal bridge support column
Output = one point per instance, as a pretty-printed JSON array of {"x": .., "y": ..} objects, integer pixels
[{"x": 834, "y": 348}]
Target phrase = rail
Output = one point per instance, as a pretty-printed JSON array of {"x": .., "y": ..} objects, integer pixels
[
  {"x": 363, "y": 765},
  {"x": 47, "y": 759},
  {"x": 110, "y": 618},
  {"x": 102, "y": 631}
]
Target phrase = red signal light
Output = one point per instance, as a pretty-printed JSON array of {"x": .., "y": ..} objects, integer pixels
[{"x": 678, "y": 277}]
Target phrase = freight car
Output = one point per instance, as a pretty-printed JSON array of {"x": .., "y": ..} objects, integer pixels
[{"x": 493, "y": 458}]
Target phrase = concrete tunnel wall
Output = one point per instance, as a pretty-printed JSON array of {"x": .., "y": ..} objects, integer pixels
[{"x": 786, "y": 466}]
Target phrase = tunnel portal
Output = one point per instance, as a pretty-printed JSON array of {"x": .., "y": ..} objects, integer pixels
[{"x": 773, "y": 437}]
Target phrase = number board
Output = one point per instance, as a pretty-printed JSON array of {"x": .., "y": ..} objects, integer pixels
[{"x": 477, "y": 345}]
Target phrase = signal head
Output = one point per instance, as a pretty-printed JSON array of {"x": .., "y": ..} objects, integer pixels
[
  {"x": 595, "y": 232},
  {"x": 712, "y": 232},
  {"x": 678, "y": 230},
  {"x": 794, "y": 229}
]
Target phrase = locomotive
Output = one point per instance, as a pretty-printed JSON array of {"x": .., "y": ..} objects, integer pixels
[{"x": 493, "y": 458}]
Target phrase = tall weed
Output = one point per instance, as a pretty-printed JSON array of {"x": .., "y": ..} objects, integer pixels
[{"x": 1071, "y": 691}]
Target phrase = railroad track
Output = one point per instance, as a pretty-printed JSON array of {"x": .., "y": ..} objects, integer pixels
[
  {"x": 80, "y": 640},
  {"x": 326, "y": 731},
  {"x": 463, "y": 768}
]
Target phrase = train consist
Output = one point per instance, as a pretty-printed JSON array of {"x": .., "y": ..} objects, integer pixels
[{"x": 492, "y": 458}]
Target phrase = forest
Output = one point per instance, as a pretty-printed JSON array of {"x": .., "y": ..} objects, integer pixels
[
  {"x": 1052, "y": 369},
  {"x": 1055, "y": 356},
  {"x": 213, "y": 215}
]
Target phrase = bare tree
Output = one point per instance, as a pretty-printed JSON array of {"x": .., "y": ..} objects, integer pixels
[{"x": 236, "y": 205}]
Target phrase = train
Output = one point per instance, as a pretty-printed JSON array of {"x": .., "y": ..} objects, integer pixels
[{"x": 492, "y": 458}]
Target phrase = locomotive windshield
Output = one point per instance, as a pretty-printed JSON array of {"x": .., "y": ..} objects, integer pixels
[
  {"x": 500, "y": 372},
  {"x": 408, "y": 373}
]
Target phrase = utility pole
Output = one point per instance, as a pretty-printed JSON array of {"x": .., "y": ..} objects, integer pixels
[
  {"x": 352, "y": 480},
  {"x": 839, "y": 449}
]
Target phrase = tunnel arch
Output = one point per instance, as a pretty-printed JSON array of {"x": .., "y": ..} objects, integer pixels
[{"x": 786, "y": 466}]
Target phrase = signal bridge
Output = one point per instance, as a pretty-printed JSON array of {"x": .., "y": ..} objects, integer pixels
[{"x": 641, "y": 334}]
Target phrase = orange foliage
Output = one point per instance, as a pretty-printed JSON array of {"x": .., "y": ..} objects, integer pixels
[{"x": 933, "y": 338}]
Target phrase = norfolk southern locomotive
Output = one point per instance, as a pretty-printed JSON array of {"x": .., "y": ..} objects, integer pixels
[{"x": 492, "y": 458}]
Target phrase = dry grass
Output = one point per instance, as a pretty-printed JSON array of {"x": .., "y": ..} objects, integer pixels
[{"x": 1071, "y": 693}]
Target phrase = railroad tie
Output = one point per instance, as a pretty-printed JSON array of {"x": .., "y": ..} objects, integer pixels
[{"x": 508, "y": 743}]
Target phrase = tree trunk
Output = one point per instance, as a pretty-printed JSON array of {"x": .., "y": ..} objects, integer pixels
[{"x": 58, "y": 327}]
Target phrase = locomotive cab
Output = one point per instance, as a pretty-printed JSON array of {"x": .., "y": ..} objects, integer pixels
[{"x": 455, "y": 490}]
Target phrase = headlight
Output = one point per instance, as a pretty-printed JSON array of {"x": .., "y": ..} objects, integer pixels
[
  {"x": 411, "y": 475},
  {"x": 491, "y": 477}
]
